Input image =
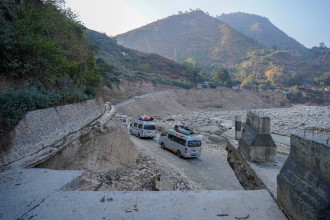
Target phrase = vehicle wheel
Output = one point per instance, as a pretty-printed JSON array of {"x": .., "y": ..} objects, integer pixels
[
  {"x": 162, "y": 145},
  {"x": 178, "y": 153},
  {"x": 138, "y": 135}
]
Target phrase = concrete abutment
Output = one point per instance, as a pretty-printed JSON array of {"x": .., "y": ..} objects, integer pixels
[{"x": 304, "y": 180}]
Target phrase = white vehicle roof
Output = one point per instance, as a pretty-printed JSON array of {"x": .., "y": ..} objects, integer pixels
[
  {"x": 184, "y": 136},
  {"x": 144, "y": 122}
]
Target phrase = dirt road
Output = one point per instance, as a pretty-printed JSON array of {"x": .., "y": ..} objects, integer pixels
[{"x": 211, "y": 171}]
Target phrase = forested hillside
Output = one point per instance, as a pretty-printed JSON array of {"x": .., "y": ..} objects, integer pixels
[
  {"x": 46, "y": 59},
  {"x": 131, "y": 64}
]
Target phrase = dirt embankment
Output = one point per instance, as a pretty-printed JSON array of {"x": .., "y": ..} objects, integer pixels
[
  {"x": 96, "y": 149},
  {"x": 183, "y": 101},
  {"x": 129, "y": 88}
]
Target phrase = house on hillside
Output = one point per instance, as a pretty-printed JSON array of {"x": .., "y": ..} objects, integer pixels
[
  {"x": 202, "y": 85},
  {"x": 286, "y": 92}
]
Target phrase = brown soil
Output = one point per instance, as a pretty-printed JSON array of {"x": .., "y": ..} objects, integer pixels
[
  {"x": 129, "y": 88},
  {"x": 184, "y": 101}
]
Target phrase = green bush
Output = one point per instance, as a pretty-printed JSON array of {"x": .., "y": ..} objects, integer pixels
[
  {"x": 40, "y": 39},
  {"x": 108, "y": 72},
  {"x": 13, "y": 105},
  {"x": 72, "y": 95}
]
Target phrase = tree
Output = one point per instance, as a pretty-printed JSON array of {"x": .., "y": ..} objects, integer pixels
[
  {"x": 222, "y": 77},
  {"x": 275, "y": 47},
  {"x": 193, "y": 68}
]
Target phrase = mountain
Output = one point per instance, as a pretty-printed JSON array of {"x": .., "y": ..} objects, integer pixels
[
  {"x": 132, "y": 64},
  {"x": 211, "y": 43},
  {"x": 262, "y": 30},
  {"x": 194, "y": 35}
]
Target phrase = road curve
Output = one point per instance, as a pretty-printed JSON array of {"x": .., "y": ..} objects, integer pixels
[{"x": 209, "y": 170}]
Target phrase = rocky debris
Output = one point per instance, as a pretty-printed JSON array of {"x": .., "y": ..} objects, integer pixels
[
  {"x": 294, "y": 120},
  {"x": 139, "y": 176},
  {"x": 284, "y": 121},
  {"x": 161, "y": 182}
]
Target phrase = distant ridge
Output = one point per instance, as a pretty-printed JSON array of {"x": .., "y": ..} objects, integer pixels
[
  {"x": 263, "y": 31},
  {"x": 196, "y": 35}
]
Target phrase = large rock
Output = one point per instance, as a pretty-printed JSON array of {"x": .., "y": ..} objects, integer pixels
[
  {"x": 304, "y": 181},
  {"x": 256, "y": 143}
]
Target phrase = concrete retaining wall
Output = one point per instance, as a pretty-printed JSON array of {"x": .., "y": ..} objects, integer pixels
[
  {"x": 41, "y": 128},
  {"x": 304, "y": 181},
  {"x": 245, "y": 175}
]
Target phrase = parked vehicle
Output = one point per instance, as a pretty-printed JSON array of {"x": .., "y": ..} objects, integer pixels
[
  {"x": 143, "y": 127},
  {"x": 181, "y": 141},
  {"x": 123, "y": 118},
  {"x": 124, "y": 121}
]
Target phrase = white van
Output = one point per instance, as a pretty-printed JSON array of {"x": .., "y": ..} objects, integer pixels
[
  {"x": 182, "y": 142},
  {"x": 124, "y": 121},
  {"x": 122, "y": 118},
  {"x": 143, "y": 128}
]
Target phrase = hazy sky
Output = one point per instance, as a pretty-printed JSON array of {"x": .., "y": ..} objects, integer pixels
[{"x": 307, "y": 21}]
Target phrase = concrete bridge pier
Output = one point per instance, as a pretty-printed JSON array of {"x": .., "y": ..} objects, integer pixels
[{"x": 256, "y": 143}]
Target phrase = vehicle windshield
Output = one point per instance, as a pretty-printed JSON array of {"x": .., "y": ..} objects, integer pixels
[
  {"x": 149, "y": 127},
  {"x": 194, "y": 143}
]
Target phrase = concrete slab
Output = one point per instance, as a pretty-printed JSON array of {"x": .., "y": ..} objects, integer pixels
[
  {"x": 158, "y": 205},
  {"x": 22, "y": 190}
]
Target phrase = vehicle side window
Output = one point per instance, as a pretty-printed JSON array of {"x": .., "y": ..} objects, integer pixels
[
  {"x": 170, "y": 137},
  {"x": 140, "y": 125},
  {"x": 181, "y": 141}
]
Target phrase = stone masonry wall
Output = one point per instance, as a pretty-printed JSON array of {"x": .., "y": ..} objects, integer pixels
[
  {"x": 41, "y": 128},
  {"x": 304, "y": 181}
]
